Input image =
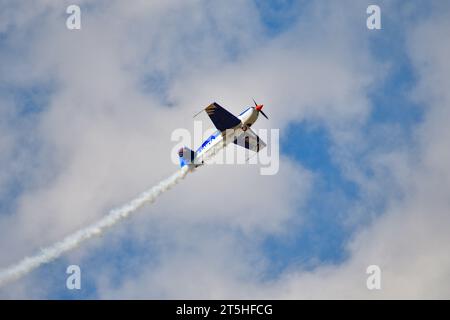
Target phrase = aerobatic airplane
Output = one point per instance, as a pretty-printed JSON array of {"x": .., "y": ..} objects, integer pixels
[{"x": 229, "y": 129}]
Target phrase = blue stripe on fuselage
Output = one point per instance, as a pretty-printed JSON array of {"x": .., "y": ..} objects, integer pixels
[
  {"x": 240, "y": 114},
  {"x": 208, "y": 141}
]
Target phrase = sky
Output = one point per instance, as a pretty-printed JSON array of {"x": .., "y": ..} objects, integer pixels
[{"x": 86, "y": 118}]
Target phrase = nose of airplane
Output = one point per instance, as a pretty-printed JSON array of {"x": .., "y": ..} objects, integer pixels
[{"x": 258, "y": 107}]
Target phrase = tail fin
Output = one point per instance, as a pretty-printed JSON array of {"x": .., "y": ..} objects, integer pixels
[{"x": 186, "y": 156}]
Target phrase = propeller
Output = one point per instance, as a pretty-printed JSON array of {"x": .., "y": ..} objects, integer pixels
[{"x": 259, "y": 107}]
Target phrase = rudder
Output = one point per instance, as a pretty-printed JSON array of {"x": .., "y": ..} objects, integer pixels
[{"x": 186, "y": 156}]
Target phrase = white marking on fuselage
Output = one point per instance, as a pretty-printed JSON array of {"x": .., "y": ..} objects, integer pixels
[{"x": 249, "y": 117}]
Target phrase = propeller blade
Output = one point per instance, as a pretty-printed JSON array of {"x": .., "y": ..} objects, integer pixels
[
  {"x": 255, "y": 102},
  {"x": 262, "y": 112}
]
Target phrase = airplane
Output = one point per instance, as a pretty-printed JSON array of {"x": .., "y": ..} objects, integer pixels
[{"x": 229, "y": 129}]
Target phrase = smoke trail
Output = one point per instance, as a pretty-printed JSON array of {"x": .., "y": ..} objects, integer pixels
[{"x": 72, "y": 241}]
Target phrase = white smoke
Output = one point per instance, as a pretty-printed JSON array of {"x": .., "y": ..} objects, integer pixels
[{"x": 72, "y": 241}]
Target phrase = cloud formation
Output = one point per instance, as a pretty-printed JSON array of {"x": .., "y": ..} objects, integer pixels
[{"x": 85, "y": 124}]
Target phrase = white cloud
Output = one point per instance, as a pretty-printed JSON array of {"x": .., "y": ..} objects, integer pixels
[{"x": 104, "y": 138}]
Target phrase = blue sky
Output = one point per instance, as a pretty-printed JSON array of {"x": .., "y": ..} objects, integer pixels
[{"x": 351, "y": 131}]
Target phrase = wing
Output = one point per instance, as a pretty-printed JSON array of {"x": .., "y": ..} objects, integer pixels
[
  {"x": 221, "y": 118},
  {"x": 249, "y": 140}
]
